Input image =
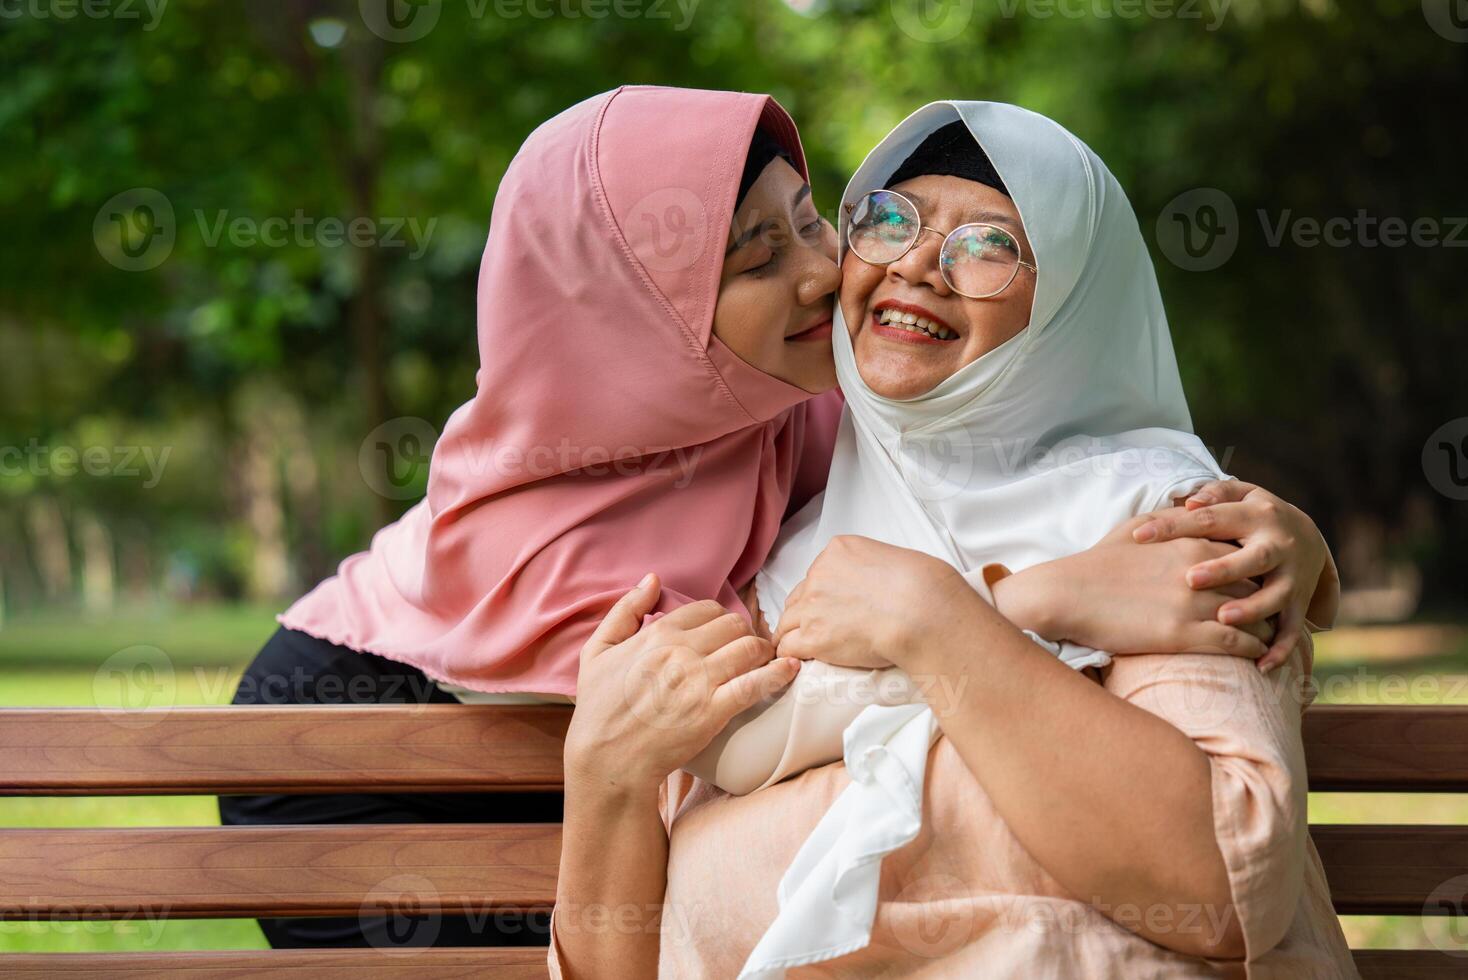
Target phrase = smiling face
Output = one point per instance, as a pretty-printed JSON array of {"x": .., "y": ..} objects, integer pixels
[
  {"x": 778, "y": 286},
  {"x": 896, "y": 359}
]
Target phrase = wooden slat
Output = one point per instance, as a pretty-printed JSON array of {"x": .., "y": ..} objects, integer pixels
[
  {"x": 1409, "y": 964},
  {"x": 222, "y": 872},
  {"x": 1363, "y": 748},
  {"x": 1392, "y": 870},
  {"x": 497, "y": 963},
  {"x": 463, "y": 748},
  {"x": 295, "y": 749}
]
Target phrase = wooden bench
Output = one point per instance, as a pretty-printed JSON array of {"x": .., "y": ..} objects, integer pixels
[{"x": 226, "y": 872}]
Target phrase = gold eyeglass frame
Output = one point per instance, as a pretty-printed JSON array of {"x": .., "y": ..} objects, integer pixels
[{"x": 1020, "y": 262}]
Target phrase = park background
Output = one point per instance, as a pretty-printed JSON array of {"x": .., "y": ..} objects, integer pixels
[{"x": 192, "y": 407}]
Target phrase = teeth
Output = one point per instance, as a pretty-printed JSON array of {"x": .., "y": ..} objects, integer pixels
[{"x": 916, "y": 324}]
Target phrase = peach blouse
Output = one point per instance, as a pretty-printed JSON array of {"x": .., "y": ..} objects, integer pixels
[{"x": 965, "y": 900}]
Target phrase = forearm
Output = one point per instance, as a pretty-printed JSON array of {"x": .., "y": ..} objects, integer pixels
[
  {"x": 613, "y": 875},
  {"x": 1114, "y": 802}
]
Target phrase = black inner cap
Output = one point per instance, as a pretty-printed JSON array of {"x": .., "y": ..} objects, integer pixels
[
  {"x": 762, "y": 149},
  {"x": 950, "y": 151}
]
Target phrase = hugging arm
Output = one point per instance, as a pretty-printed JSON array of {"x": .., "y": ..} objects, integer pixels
[
  {"x": 1171, "y": 799},
  {"x": 1120, "y": 596},
  {"x": 1190, "y": 767},
  {"x": 649, "y": 698}
]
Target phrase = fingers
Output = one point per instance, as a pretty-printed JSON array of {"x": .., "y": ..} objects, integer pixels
[
  {"x": 1291, "y": 622},
  {"x": 624, "y": 619},
  {"x": 1256, "y": 557},
  {"x": 1263, "y": 631},
  {"x": 749, "y": 688},
  {"x": 1217, "y": 638},
  {"x": 796, "y": 644},
  {"x": 1219, "y": 522},
  {"x": 1272, "y": 598},
  {"x": 1219, "y": 492},
  {"x": 737, "y": 657},
  {"x": 691, "y": 615},
  {"x": 1237, "y": 590},
  {"x": 718, "y": 631},
  {"x": 790, "y": 616}
]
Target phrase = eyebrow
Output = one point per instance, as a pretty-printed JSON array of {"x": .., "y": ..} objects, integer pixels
[
  {"x": 992, "y": 217},
  {"x": 744, "y": 239}
]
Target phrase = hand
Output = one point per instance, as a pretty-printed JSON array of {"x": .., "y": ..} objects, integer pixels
[
  {"x": 867, "y": 604},
  {"x": 1279, "y": 544},
  {"x": 651, "y": 699},
  {"x": 1127, "y": 598}
]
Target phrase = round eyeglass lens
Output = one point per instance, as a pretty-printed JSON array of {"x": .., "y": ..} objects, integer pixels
[
  {"x": 883, "y": 227},
  {"x": 979, "y": 260}
]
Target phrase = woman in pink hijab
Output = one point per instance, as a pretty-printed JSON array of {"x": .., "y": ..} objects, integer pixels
[
  {"x": 630, "y": 414},
  {"x": 654, "y": 322}
]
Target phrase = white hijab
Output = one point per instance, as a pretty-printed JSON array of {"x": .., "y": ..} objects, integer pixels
[
  {"x": 1032, "y": 452},
  {"x": 1040, "y": 447}
]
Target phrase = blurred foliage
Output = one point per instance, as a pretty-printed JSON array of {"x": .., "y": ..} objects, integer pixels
[{"x": 1317, "y": 371}]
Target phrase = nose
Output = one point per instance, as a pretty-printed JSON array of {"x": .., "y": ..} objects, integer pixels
[
  {"x": 919, "y": 265},
  {"x": 820, "y": 278}
]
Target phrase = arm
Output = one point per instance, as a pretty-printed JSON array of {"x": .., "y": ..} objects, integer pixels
[
  {"x": 609, "y": 893},
  {"x": 1143, "y": 836},
  {"x": 1278, "y": 545},
  {"x": 1137, "y": 834},
  {"x": 1281, "y": 545},
  {"x": 648, "y": 700}
]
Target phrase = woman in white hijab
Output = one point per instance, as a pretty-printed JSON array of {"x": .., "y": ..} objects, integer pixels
[{"x": 1156, "y": 821}]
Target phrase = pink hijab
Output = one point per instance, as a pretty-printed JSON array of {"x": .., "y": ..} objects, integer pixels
[{"x": 611, "y": 434}]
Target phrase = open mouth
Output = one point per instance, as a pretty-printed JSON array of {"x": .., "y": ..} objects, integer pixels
[
  {"x": 899, "y": 321},
  {"x": 817, "y": 331}
]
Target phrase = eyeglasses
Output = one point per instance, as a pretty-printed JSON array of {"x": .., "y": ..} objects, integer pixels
[{"x": 977, "y": 260}]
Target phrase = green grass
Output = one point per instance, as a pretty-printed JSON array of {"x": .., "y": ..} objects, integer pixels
[
  {"x": 63, "y": 657},
  {"x": 195, "y": 655}
]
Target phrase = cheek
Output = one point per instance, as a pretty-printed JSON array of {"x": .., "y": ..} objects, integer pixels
[
  {"x": 747, "y": 319},
  {"x": 858, "y": 282},
  {"x": 994, "y": 323}
]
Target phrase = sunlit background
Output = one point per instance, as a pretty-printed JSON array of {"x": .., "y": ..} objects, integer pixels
[{"x": 238, "y": 268}]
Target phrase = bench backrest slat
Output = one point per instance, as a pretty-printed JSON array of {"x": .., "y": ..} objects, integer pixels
[
  {"x": 502, "y": 963},
  {"x": 1360, "y": 748},
  {"x": 224, "y": 872},
  {"x": 472, "y": 868},
  {"x": 497, "y": 748},
  {"x": 294, "y": 749}
]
